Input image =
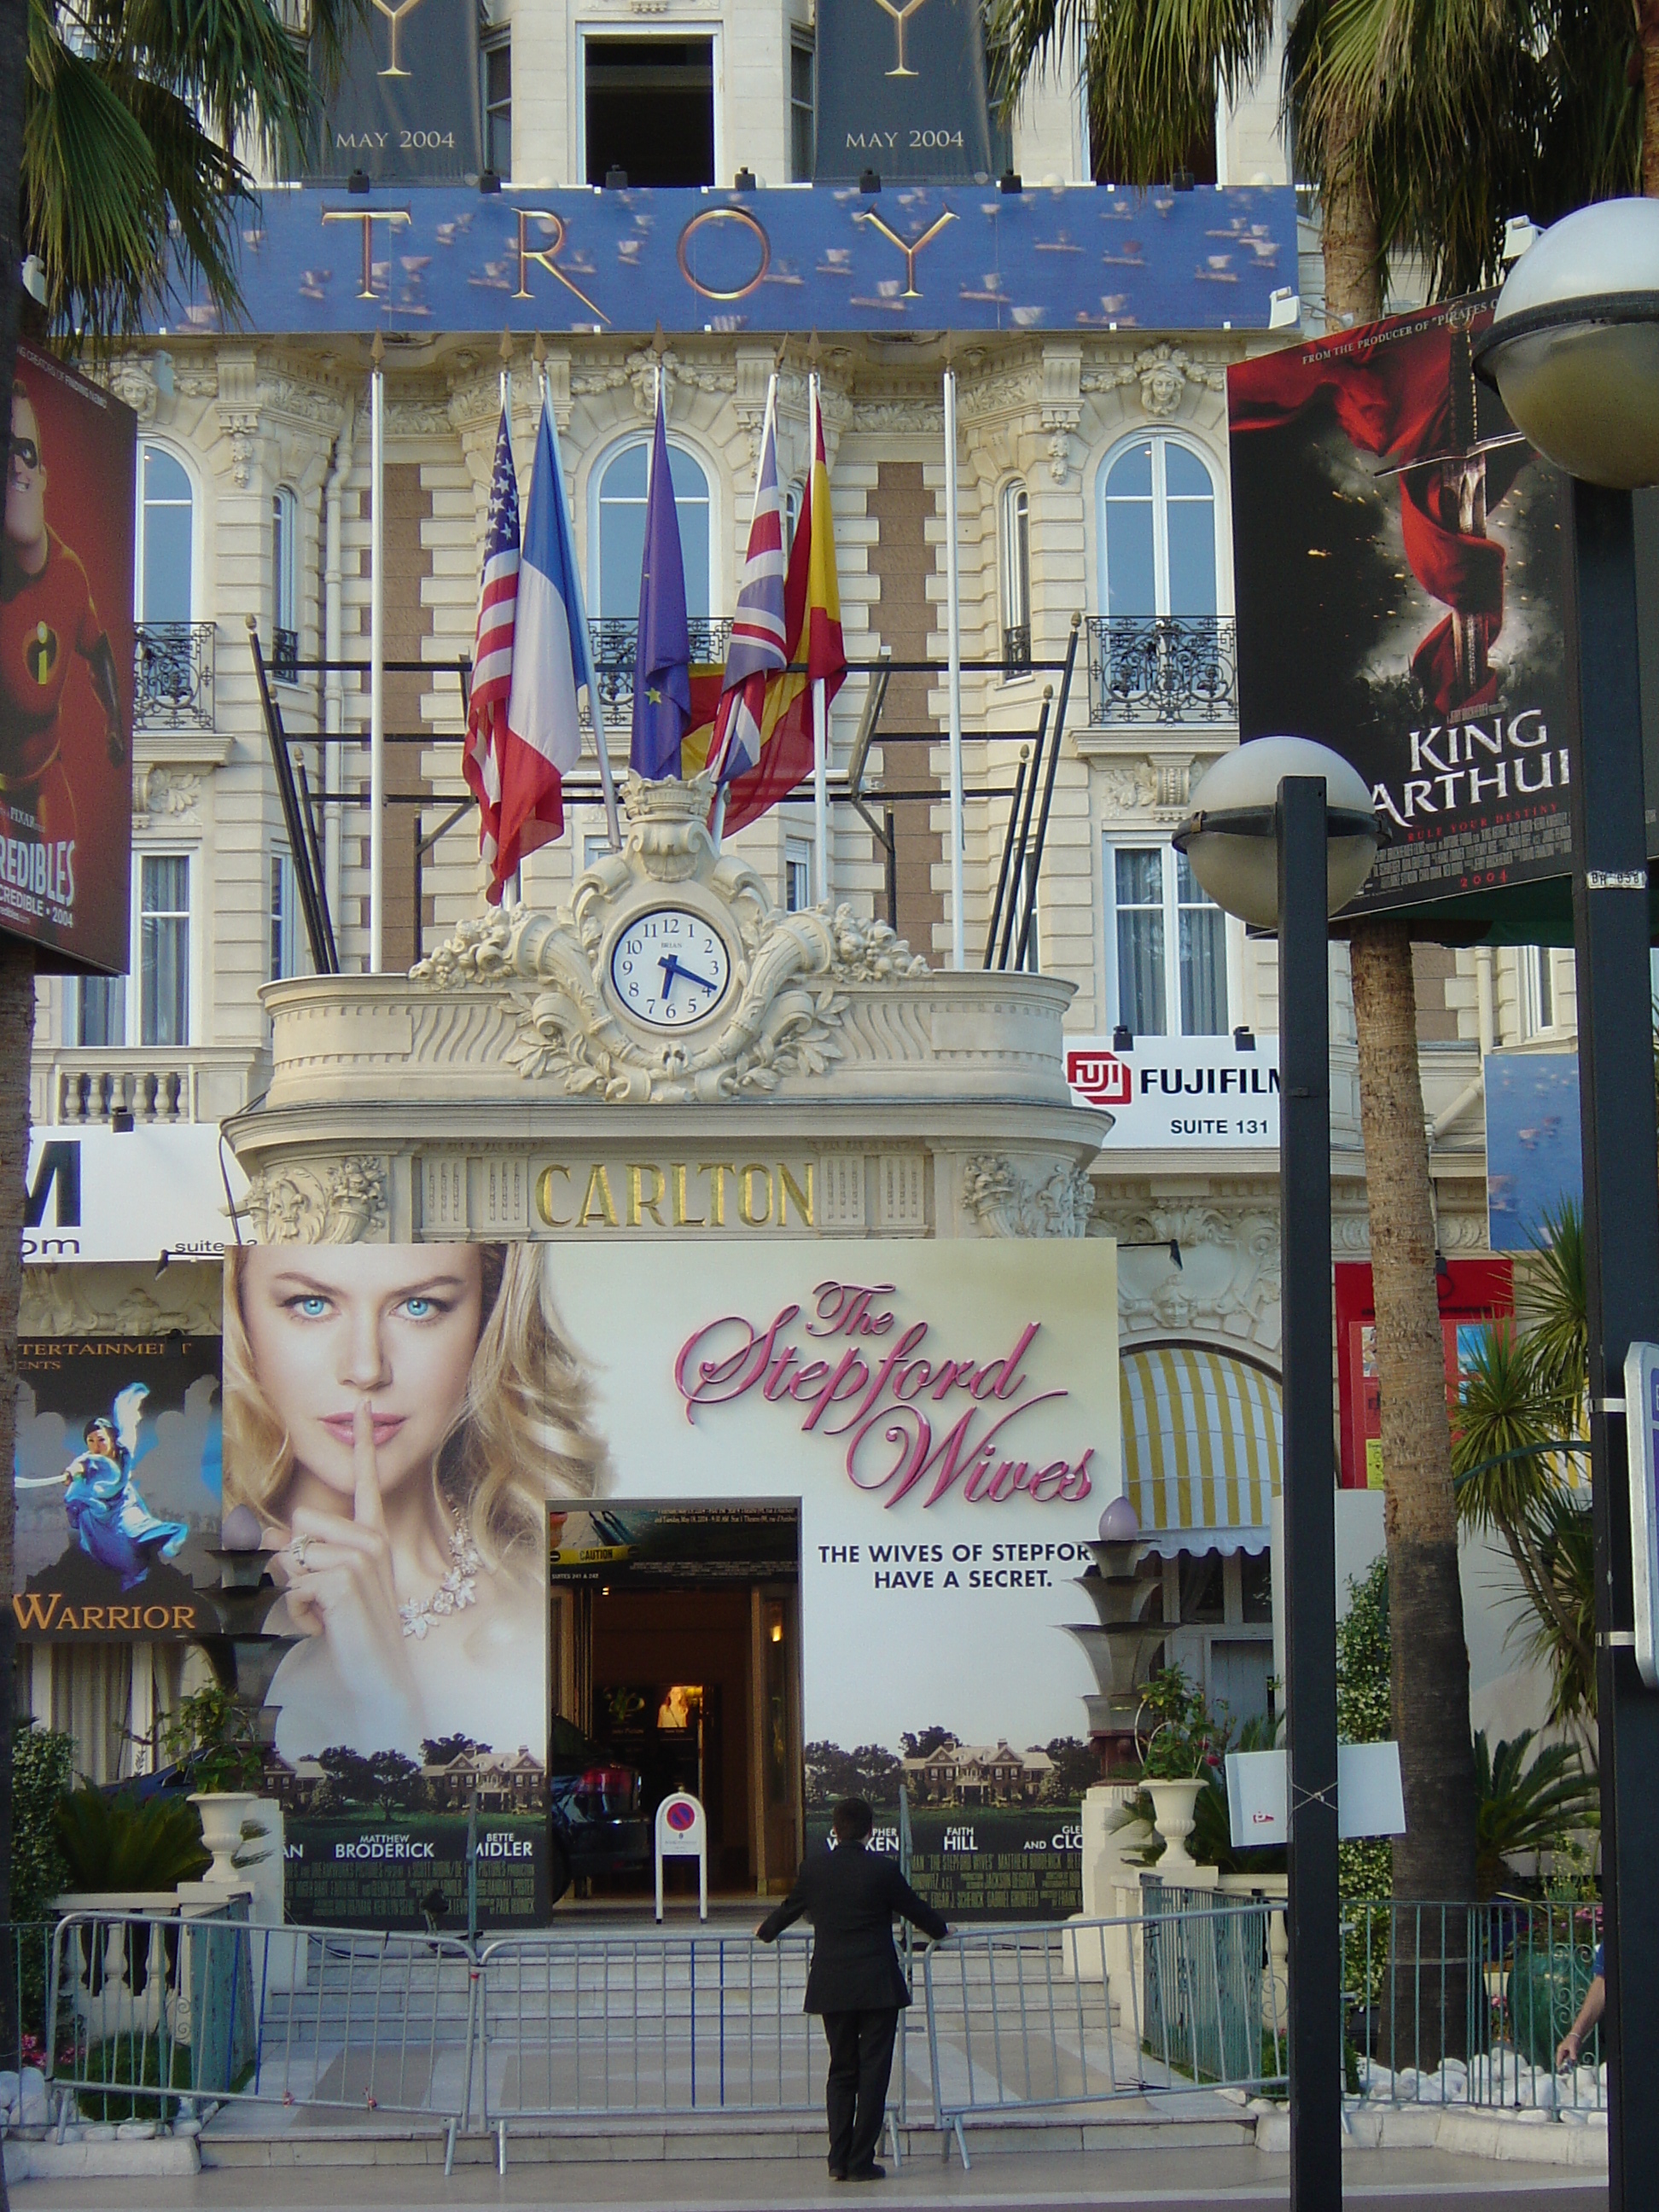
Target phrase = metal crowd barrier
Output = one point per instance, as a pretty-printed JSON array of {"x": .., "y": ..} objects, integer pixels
[
  {"x": 652, "y": 2025},
  {"x": 163, "y": 2014},
  {"x": 1039, "y": 2018},
  {"x": 1460, "y": 2004}
]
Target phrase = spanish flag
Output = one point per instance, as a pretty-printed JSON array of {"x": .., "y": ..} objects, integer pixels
[{"x": 812, "y": 610}]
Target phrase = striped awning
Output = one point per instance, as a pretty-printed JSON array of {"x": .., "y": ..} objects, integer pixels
[{"x": 1203, "y": 1435}]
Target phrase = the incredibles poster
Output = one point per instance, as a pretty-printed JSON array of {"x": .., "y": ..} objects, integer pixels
[
  {"x": 66, "y": 667},
  {"x": 1403, "y": 565}
]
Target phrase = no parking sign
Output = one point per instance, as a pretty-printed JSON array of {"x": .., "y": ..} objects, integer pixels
[{"x": 682, "y": 1833}]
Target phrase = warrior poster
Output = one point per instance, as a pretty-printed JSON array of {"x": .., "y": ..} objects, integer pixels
[
  {"x": 66, "y": 667},
  {"x": 116, "y": 1488},
  {"x": 1404, "y": 592}
]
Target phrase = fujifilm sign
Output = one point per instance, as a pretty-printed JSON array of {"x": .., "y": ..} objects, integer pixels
[{"x": 1181, "y": 1094}]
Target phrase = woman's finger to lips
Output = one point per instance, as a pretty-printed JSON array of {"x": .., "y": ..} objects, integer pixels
[{"x": 366, "y": 1499}]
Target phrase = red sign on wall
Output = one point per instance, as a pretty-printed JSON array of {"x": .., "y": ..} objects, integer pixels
[{"x": 1472, "y": 1292}]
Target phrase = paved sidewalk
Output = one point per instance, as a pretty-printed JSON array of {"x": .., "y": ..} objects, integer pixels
[{"x": 1119, "y": 2182}]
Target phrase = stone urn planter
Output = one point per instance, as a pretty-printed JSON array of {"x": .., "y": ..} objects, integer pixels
[
  {"x": 223, "y": 1812},
  {"x": 1174, "y": 1808}
]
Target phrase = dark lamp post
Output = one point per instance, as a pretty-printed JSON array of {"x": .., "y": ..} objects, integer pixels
[
  {"x": 1574, "y": 350},
  {"x": 1282, "y": 834}
]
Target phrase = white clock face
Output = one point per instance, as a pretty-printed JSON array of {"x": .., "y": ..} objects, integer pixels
[{"x": 670, "y": 968}]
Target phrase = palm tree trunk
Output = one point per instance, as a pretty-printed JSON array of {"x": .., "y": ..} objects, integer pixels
[{"x": 16, "y": 1038}]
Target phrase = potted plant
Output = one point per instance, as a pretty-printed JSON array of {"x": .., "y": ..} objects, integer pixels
[
  {"x": 1180, "y": 1746},
  {"x": 214, "y": 1737}
]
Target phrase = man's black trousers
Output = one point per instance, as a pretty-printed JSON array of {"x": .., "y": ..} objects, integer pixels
[{"x": 860, "y": 2061}]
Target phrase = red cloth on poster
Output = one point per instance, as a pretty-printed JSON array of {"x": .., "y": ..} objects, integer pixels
[{"x": 1393, "y": 397}]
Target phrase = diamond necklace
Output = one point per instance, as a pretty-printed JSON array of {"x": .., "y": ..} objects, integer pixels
[{"x": 453, "y": 1594}]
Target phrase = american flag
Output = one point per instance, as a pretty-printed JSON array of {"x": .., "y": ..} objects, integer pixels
[
  {"x": 492, "y": 650},
  {"x": 757, "y": 650}
]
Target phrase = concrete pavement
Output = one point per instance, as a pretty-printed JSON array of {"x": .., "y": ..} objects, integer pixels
[{"x": 1121, "y": 2181}]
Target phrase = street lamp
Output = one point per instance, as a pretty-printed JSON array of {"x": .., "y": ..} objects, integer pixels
[
  {"x": 1574, "y": 350},
  {"x": 1283, "y": 834}
]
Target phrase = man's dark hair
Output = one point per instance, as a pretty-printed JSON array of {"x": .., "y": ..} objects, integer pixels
[{"x": 853, "y": 1820}]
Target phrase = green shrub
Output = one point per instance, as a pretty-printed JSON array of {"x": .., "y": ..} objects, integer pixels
[
  {"x": 125, "y": 1842},
  {"x": 42, "y": 1768}
]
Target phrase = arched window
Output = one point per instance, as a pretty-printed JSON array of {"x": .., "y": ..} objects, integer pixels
[
  {"x": 1015, "y": 536},
  {"x": 1158, "y": 530},
  {"x": 285, "y": 579},
  {"x": 620, "y": 536},
  {"x": 165, "y": 562}
]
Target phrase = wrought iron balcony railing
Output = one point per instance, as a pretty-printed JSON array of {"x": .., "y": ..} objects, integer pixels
[
  {"x": 1162, "y": 668},
  {"x": 1017, "y": 646},
  {"x": 172, "y": 676},
  {"x": 285, "y": 655},
  {"x": 616, "y": 639}
]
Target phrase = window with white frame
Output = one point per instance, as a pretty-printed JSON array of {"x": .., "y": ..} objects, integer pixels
[
  {"x": 797, "y": 874},
  {"x": 165, "y": 557},
  {"x": 98, "y": 1010},
  {"x": 596, "y": 843},
  {"x": 164, "y": 948},
  {"x": 1536, "y": 976},
  {"x": 495, "y": 60},
  {"x": 1015, "y": 535},
  {"x": 286, "y": 942},
  {"x": 620, "y": 495},
  {"x": 1167, "y": 945},
  {"x": 285, "y": 579},
  {"x": 803, "y": 126},
  {"x": 1157, "y": 523}
]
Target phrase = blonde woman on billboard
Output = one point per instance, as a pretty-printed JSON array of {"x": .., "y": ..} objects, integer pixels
[{"x": 400, "y": 1417}]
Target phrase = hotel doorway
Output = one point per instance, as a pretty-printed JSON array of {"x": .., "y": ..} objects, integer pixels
[{"x": 675, "y": 1647}]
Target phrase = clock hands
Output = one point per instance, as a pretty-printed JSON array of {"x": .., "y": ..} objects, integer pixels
[{"x": 669, "y": 964}]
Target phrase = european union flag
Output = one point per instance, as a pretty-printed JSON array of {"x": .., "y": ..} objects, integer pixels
[{"x": 662, "y": 663}]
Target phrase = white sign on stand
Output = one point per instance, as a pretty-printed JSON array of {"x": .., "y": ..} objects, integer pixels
[
  {"x": 1370, "y": 1800},
  {"x": 682, "y": 1833}
]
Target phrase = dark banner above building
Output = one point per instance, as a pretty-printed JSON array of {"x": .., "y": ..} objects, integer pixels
[
  {"x": 1077, "y": 257},
  {"x": 1404, "y": 588},
  {"x": 902, "y": 91},
  {"x": 407, "y": 107}
]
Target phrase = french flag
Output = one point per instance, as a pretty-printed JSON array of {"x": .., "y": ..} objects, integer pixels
[{"x": 552, "y": 660}]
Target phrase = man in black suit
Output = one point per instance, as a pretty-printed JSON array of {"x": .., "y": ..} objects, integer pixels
[{"x": 856, "y": 1981}]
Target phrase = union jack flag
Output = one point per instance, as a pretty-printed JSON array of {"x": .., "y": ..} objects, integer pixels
[
  {"x": 492, "y": 649},
  {"x": 757, "y": 650}
]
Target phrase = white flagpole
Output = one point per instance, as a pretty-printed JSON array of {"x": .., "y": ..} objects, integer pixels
[
  {"x": 512, "y": 890},
  {"x": 717, "y": 818},
  {"x": 953, "y": 632},
  {"x": 595, "y": 708},
  {"x": 376, "y": 660},
  {"x": 820, "y": 705}
]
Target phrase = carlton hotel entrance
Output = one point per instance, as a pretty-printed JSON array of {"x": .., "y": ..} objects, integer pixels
[{"x": 674, "y": 1651}]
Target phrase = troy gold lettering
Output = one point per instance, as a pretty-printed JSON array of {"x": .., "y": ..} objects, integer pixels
[
  {"x": 677, "y": 1214},
  {"x": 639, "y": 1204},
  {"x": 740, "y": 215},
  {"x": 368, "y": 217},
  {"x": 788, "y": 1188},
  {"x": 545, "y": 1195},
  {"x": 719, "y": 1170},
  {"x": 901, "y": 16},
  {"x": 746, "y": 1212},
  {"x": 598, "y": 1205},
  {"x": 546, "y": 256},
  {"x": 909, "y": 251},
  {"x": 395, "y": 16}
]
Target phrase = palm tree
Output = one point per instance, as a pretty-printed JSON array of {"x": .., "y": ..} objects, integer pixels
[
  {"x": 119, "y": 124},
  {"x": 1423, "y": 127}
]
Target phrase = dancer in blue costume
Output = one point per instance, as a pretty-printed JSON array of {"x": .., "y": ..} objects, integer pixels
[{"x": 106, "y": 1507}]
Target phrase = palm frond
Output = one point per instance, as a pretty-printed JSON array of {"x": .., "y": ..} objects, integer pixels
[
  {"x": 1559, "y": 1535},
  {"x": 1152, "y": 68},
  {"x": 1509, "y": 1412},
  {"x": 1528, "y": 1803}
]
